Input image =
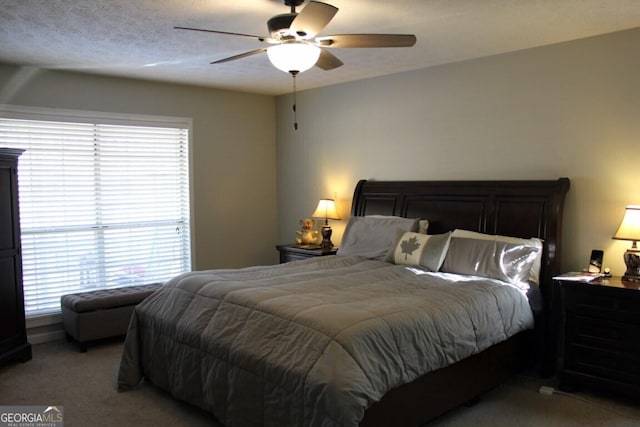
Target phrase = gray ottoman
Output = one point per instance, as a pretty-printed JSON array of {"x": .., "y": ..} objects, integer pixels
[{"x": 102, "y": 313}]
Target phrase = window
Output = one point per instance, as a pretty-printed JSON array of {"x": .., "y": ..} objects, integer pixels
[{"x": 102, "y": 204}]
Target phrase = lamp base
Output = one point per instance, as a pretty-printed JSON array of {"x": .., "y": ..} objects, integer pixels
[
  {"x": 632, "y": 261},
  {"x": 326, "y": 237}
]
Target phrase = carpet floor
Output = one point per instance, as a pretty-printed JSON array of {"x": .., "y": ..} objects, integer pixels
[{"x": 84, "y": 384}]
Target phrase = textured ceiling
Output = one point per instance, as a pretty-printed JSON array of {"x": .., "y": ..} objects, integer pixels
[{"x": 135, "y": 38}]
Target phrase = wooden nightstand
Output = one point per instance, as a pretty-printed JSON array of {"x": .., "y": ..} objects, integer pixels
[
  {"x": 601, "y": 335},
  {"x": 295, "y": 252}
]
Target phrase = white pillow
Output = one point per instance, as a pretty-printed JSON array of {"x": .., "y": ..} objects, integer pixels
[
  {"x": 373, "y": 236},
  {"x": 496, "y": 259},
  {"x": 534, "y": 273}
]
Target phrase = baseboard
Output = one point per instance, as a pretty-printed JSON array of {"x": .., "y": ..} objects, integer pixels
[
  {"x": 45, "y": 320},
  {"x": 43, "y": 329},
  {"x": 44, "y": 337}
]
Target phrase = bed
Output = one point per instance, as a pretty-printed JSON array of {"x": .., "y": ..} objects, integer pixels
[{"x": 366, "y": 339}]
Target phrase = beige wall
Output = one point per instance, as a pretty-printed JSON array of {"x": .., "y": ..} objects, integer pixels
[
  {"x": 571, "y": 109},
  {"x": 233, "y": 151}
]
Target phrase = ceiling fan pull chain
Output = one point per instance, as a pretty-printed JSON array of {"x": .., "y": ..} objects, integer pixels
[{"x": 295, "y": 109}]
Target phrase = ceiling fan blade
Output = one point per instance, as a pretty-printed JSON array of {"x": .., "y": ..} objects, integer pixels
[
  {"x": 240, "y": 56},
  {"x": 328, "y": 61},
  {"x": 312, "y": 19},
  {"x": 367, "y": 40},
  {"x": 260, "y": 38}
]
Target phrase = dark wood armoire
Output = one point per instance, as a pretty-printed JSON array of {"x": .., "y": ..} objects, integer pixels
[{"x": 13, "y": 335}]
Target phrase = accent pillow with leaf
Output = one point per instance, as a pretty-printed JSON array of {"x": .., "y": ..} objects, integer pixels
[{"x": 419, "y": 249}]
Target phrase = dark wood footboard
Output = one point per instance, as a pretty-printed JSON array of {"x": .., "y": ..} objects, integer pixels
[{"x": 439, "y": 391}]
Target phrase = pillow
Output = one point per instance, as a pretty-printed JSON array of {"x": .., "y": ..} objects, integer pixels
[
  {"x": 495, "y": 259},
  {"x": 419, "y": 249},
  {"x": 534, "y": 273},
  {"x": 373, "y": 236},
  {"x": 423, "y": 224}
]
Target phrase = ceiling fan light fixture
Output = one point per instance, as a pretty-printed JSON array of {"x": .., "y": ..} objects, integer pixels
[{"x": 295, "y": 56}]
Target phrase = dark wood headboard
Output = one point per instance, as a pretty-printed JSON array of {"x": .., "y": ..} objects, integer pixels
[{"x": 511, "y": 208}]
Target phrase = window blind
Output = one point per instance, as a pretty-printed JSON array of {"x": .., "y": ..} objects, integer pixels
[{"x": 101, "y": 206}]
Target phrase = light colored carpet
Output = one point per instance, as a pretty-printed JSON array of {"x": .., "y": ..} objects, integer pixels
[{"x": 85, "y": 385}]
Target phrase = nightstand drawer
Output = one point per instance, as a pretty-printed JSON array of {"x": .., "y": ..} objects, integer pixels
[
  {"x": 604, "y": 333},
  {"x": 607, "y": 305},
  {"x": 292, "y": 256},
  {"x": 601, "y": 335},
  {"x": 294, "y": 252},
  {"x": 613, "y": 365}
]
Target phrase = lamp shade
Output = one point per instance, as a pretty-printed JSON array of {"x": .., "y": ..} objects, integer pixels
[
  {"x": 326, "y": 209},
  {"x": 629, "y": 228},
  {"x": 293, "y": 56}
]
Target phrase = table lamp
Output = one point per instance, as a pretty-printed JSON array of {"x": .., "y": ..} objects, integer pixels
[
  {"x": 629, "y": 229},
  {"x": 326, "y": 209}
]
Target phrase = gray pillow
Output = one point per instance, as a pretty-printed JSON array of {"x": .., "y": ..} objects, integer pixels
[
  {"x": 534, "y": 273},
  {"x": 509, "y": 262},
  {"x": 373, "y": 236},
  {"x": 419, "y": 249}
]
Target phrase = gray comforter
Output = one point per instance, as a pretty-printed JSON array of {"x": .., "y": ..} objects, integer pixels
[{"x": 312, "y": 342}]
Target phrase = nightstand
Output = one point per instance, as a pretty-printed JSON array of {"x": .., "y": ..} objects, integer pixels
[
  {"x": 601, "y": 335},
  {"x": 295, "y": 252}
]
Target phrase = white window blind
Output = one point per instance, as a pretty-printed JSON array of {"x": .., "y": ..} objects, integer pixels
[{"x": 101, "y": 206}]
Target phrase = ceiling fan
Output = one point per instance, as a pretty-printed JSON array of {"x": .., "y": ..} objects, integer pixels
[{"x": 296, "y": 46}]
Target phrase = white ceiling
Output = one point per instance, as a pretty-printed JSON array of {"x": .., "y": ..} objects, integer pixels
[{"x": 135, "y": 38}]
